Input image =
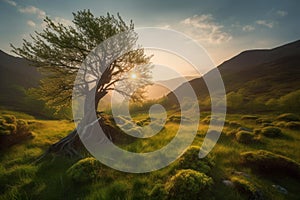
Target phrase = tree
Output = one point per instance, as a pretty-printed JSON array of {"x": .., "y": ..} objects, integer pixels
[{"x": 59, "y": 50}]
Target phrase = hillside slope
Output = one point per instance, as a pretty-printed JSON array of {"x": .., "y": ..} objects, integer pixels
[{"x": 255, "y": 74}]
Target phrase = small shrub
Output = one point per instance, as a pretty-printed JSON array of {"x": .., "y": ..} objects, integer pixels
[
  {"x": 117, "y": 191},
  {"x": 249, "y": 117},
  {"x": 158, "y": 192},
  {"x": 10, "y": 125},
  {"x": 190, "y": 160},
  {"x": 245, "y": 137},
  {"x": 247, "y": 187},
  {"x": 84, "y": 170},
  {"x": 269, "y": 162},
  {"x": 287, "y": 117},
  {"x": 10, "y": 119},
  {"x": 271, "y": 131},
  {"x": 293, "y": 125},
  {"x": 188, "y": 184}
]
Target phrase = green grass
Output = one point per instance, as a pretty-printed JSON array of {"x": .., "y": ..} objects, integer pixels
[{"x": 21, "y": 178}]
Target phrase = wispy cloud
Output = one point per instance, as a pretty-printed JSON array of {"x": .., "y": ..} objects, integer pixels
[
  {"x": 281, "y": 13},
  {"x": 10, "y": 2},
  {"x": 248, "y": 28},
  {"x": 31, "y": 23},
  {"x": 34, "y": 11},
  {"x": 265, "y": 23},
  {"x": 204, "y": 28},
  {"x": 60, "y": 20}
]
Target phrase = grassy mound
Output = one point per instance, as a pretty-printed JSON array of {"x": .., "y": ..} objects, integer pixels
[
  {"x": 190, "y": 160},
  {"x": 293, "y": 125},
  {"x": 245, "y": 186},
  {"x": 245, "y": 137},
  {"x": 269, "y": 162},
  {"x": 271, "y": 131},
  {"x": 12, "y": 131},
  {"x": 287, "y": 117},
  {"x": 188, "y": 184},
  {"x": 84, "y": 170}
]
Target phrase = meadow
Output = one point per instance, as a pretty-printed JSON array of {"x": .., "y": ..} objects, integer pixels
[{"x": 252, "y": 160}]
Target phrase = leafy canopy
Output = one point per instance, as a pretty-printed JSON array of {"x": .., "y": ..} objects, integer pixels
[{"x": 59, "y": 50}]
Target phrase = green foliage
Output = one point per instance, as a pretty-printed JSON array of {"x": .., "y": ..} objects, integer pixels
[
  {"x": 10, "y": 125},
  {"x": 290, "y": 102},
  {"x": 59, "y": 50},
  {"x": 269, "y": 162},
  {"x": 190, "y": 160},
  {"x": 84, "y": 170},
  {"x": 117, "y": 191},
  {"x": 188, "y": 184},
  {"x": 271, "y": 131},
  {"x": 158, "y": 192},
  {"x": 234, "y": 100},
  {"x": 247, "y": 187},
  {"x": 245, "y": 137},
  {"x": 287, "y": 117}
]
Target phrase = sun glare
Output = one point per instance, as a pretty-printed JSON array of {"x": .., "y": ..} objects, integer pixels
[{"x": 133, "y": 76}]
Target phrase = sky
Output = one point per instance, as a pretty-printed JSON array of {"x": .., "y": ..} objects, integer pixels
[{"x": 223, "y": 27}]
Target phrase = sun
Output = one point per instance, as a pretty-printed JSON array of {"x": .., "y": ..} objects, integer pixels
[{"x": 133, "y": 76}]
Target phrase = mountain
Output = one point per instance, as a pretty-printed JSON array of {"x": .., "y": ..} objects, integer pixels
[
  {"x": 16, "y": 75},
  {"x": 257, "y": 75},
  {"x": 163, "y": 87}
]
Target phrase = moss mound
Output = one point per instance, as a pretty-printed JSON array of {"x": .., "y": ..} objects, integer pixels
[
  {"x": 245, "y": 186},
  {"x": 190, "y": 160},
  {"x": 269, "y": 162},
  {"x": 84, "y": 170},
  {"x": 293, "y": 125},
  {"x": 245, "y": 137},
  {"x": 188, "y": 184},
  {"x": 287, "y": 117},
  {"x": 271, "y": 131}
]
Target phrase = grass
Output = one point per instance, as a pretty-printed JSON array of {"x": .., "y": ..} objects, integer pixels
[{"x": 20, "y": 178}]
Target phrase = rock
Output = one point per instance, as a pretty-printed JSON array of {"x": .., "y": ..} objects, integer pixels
[
  {"x": 228, "y": 183},
  {"x": 244, "y": 129},
  {"x": 280, "y": 189},
  {"x": 241, "y": 174}
]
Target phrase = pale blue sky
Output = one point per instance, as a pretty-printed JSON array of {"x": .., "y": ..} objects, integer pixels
[{"x": 224, "y": 28}]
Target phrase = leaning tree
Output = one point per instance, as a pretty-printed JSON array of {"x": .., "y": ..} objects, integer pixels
[{"x": 59, "y": 50}]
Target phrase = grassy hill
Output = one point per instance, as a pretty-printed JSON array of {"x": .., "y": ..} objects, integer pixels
[
  {"x": 16, "y": 76},
  {"x": 256, "y": 76}
]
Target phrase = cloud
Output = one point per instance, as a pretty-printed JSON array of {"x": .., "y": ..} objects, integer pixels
[
  {"x": 269, "y": 24},
  {"x": 31, "y": 23},
  {"x": 34, "y": 11},
  {"x": 281, "y": 13},
  {"x": 60, "y": 20},
  {"x": 10, "y": 2},
  {"x": 204, "y": 28},
  {"x": 248, "y": 28}
]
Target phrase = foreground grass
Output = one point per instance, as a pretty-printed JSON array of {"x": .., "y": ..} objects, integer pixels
[{"x": 21, "y": 178}]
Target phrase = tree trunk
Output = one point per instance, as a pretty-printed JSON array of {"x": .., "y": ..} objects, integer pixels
[{"x": 71, "y": 144}]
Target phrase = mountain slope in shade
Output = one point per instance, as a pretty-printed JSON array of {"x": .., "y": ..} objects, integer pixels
[
  {"x": 255, "y": 73},
  {"x": 16, "y": 75}
]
